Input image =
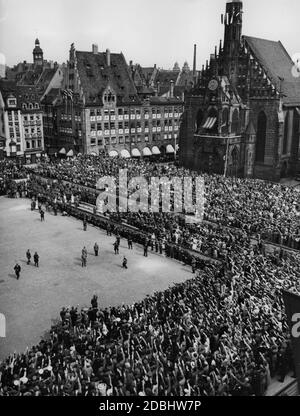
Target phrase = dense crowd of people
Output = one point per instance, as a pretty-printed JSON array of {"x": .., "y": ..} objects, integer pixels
[
  {"x": 12, "y": 179},
  {"x": 268, "y": 209},
  {"x": 221, "y": 333}
]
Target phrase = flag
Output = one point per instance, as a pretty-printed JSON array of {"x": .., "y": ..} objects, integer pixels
[
  {"x": 70, "y": 94},
  {"x": 292, "y": 308}
]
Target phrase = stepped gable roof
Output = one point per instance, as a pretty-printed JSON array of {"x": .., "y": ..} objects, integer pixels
[
  {"x": 95, "y": 75},
  {"x": 276, "y": 62}
]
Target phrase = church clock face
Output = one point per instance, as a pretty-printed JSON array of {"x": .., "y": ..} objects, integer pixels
[{"x": 213, "y": 85}]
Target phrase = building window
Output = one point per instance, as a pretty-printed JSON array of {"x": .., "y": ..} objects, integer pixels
[
  {"x": 225, "y": 119},
  {"x": 120, "y": 111},
  {"x": 100, "y": 142},
  {"x": 109, "y": 98},
  {"x": 33, "y": 144},
  {"x": 30, "y": 106},
  {"x": 39, "y": 143},
  {"x": 261, "y": 137},
  {"x": 11, "y": 102},
  {"x": 93, "y": 141},
  {"x": 27, "y": 145},
  {"x": 235, "y": 125},
  {"x": 113, "y": 140},
  {"x": 24, "y": 106},
  {"x": 286, "y": 133},
  {"x": 121, "y": 139},
  {"x": 127, "y": 139},
  {"x": 36, "y": 105}
]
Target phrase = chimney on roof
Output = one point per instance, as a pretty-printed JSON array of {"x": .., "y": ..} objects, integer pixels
[
  {"x": 95, "y": 48},
  {"x": 194, "y": 62},
  {"x": 107, "y": 57},
  {"x": 171, "y": 89}
]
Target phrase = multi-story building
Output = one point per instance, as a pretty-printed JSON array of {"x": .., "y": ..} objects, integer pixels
[
  {"x": 101, "y": 110},
  {"x": 243, "y": 115},
  {"x": 22, "y": 121}
]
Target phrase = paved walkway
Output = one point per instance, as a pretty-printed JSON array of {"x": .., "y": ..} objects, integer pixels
[{"x": 32, "y": 302}]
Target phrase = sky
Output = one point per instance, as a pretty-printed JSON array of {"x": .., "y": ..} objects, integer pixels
[{"x": 148, "y": 32}]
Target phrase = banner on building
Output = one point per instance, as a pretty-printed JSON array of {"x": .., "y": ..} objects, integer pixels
[{"x": 292, "y": 307}]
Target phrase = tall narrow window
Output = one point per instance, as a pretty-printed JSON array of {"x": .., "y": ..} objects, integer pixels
[
  {"x": 296, "y": 135},
  {"x": 199, "y": 120},
  {"x": 235, "y": 125},
  {"x": 286, "y": 133},
  {"x": 261, "y": 137}
]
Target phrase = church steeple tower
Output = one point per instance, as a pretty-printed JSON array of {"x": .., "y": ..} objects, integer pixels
[
  {"x": 233, "y": 27},
  {"x": 37, "y": 54},
  {"x": 233, "y": 20}
]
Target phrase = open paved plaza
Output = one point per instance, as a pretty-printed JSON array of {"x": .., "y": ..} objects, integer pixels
[{"x": 31, "y": 303}]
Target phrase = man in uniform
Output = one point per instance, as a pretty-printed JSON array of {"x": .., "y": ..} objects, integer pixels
[
  {"x": 129, "y": 242},
  {"x": 83, "y": 256},
  {"x": 36, "y": 259},
  {"x": 84, "y": 224},
  {"x": 28, "y": 255},
  {"x": 42, "y": 215},
  {"x": 96, "y": 249},
  {"x": 17, "y": 269},
  {"x": 124, "y": 265},
  {"x": 116, "y": 247},
  {"x": 146, "y": 249},
  {"x": 118, "y": 238}
]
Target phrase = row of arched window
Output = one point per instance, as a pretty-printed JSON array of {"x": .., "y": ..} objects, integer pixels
[{"x": 30, "y": 106}]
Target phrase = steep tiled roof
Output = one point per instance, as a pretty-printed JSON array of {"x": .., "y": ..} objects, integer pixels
[
  {"x": 31, "y": 76},
  {"x": 95, "y": 76},
  {"x": 24, "y": 94},
  {"x": 164, "y": 100},
  {"x": 185, "y": 79},
  {"x": 52, "y": 95},
  {"x": 277, "y": 63},
  {"x": 164, "y": 77},
  {"x": 147, "y": 72}
]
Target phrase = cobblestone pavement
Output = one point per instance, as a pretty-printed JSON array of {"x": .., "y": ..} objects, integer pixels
[{"x": 31, "y": 303}]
